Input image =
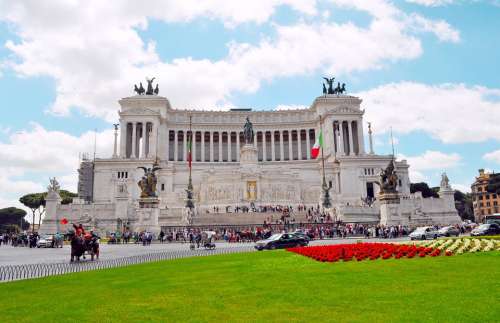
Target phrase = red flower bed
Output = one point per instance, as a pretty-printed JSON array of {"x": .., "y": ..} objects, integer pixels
[{"x": 364, "y": 250}]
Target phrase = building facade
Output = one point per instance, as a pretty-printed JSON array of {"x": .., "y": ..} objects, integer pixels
[
  {"x": 483, "y": 202},
  {"x": 276, "y": 169}
]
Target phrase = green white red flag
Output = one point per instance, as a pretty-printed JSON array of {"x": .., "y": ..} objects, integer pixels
[{"x": 317, "y": 146}]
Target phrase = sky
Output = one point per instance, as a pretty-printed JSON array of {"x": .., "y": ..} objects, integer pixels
[{"x": 427, "y": 69}]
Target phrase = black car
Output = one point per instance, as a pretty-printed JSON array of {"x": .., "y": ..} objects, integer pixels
[
  {"x": 282, "y": 240},
  {"x": 486, "y": 229}
]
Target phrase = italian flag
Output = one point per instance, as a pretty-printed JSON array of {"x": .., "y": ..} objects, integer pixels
[
  {"x": 189, "y": 145},
  {"x": 317, "y": 146}
]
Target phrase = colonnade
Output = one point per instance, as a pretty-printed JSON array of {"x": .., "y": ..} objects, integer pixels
[
  {"x": 139, "y": 140},
  {"x": 348, "y": 138},
  {"x": 224, "y": 146}
]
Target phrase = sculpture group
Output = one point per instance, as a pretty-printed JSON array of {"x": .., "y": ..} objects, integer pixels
[
  {"x": 388, "y": 179},
  {"x": 150, "y": 91},
  {"x": 148, "y": 182},
  {"x": 340, "y": 89}
]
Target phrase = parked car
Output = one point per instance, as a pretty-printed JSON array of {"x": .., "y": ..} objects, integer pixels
[
  {"x": 423, "y": 233},
  {"x": 486, "y": 229},
  {"x": 448, "y": 231},
  {"x": 45, "y": 241},
  {"x": 282, "y": 240},
  {"x": 301, "y": 234}
]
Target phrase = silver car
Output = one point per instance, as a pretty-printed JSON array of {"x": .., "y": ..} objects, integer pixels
[
  {"x": 423, "y": 233},
  {"x": 46, "y": 241},
  {"x": 448, "y": 231}
]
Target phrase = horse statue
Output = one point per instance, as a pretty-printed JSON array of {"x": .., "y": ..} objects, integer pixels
[
  {"x": 157, "y": 89},
  {"x": 139, "y": 90}
]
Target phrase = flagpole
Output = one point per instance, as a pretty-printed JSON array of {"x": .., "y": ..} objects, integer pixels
[
  {"x": 190, "y": 185},
  {"x": 322, "y": 156},
  {"x": 326, "y": 189}
]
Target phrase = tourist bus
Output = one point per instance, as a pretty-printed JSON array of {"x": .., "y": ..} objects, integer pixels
[{"x": 492, "y": 218}]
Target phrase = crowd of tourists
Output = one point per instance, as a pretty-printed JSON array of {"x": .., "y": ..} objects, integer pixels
[{"x": 256, "y": 208}]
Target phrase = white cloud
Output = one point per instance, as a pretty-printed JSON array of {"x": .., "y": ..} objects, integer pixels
[
  {"x": 442, "y": 30},
  {"x": 39, "y": 154},
  {"x": 433, "y": 160},
  {"x": 452, "y": 113},
  {"x": 96, "y": 53},
  {"x": 462, "y": 188},
  {"x": 431, "y": 3},
  {"x": 430, "y": 161},
  {"x": 493, "y": 156}
]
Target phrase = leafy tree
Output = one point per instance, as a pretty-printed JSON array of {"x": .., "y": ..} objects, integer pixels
[
  {"x": 12, "y": 218},
  {"x": 35, "y": 202},
  {"x": 494, "y": 184},
  {"x": 463, "y": 204},
  {"x": 424, "y": 188},
  {"x": 67, "y": 196}
]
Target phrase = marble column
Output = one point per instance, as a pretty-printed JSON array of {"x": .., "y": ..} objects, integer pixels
[
  {"x": 308, "y": 144},
  {"x": 282, "y": 149},
  {"x": 134, "y": 141},
  {"x": 184, "y": 150},
  {"x": 361, "y": 139},
  {"x": 229, "y": 157},
  {"x": 220, "y": 147},
  {"x": 193, "y": 146},
  {"x": 211, "y": 146},
  {"x": 123, "y": 139},
  {"x": 237, "y": 146},
  {"x": 176, "y": 145},
  {"x": 203, "y": 146},
  {"x": 264, "y": 155},
  {"x": 144, "y": 140},
  {"x": 290, "y": 148},
  {"x": 115, "y": 144},
  {"x": 299, "y": 144},
  {"x": 341, "y": 138},
  {"x": 273, "y": 148},
  {"x": 351, "y": 141}
]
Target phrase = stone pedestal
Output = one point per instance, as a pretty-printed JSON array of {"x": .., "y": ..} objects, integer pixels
[
  {"x": 390, "y": 209},
  {"x": 51, "y": 221},
  {"x": 248, "y": 155},
  {"x": 147, "y": 215}
]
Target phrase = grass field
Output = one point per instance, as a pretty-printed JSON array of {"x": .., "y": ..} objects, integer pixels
[{"x": 266, "y": 286}]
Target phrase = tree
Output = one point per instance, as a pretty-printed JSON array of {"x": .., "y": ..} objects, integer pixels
[
  {"x": 463, "y": 204},
  {"x": 424, "y": 188},
  {"x": 35, "y": 202},
  {"x": 494, "y": 184},
  {"x": 12, "y": 218},
  {"x": 67, "y": 196}
]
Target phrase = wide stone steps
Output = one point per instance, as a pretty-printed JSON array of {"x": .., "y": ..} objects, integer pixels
[{"x": 242, "y": 218}]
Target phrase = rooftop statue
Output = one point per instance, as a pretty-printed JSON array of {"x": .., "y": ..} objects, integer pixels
[
  {"x": 148, "y": 181},
  {"x": 248, "y": 132},
  {"x": 330, "y": 84},
  {"x": 150, "y": 90}
]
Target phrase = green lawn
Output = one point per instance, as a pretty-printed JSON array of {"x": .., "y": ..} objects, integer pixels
[{"x": 266, "y": 286}]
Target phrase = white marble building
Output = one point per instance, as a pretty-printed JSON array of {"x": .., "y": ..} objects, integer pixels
[{"x": 277, "y": 170}]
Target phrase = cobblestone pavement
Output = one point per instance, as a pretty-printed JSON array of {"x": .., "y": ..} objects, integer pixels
[{"x": 22, "y": 256}]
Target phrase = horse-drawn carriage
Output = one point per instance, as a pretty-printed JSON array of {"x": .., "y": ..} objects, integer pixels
[{"x": 84, "y": 244}]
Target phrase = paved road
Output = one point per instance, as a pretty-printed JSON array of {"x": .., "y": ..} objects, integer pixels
[{"x": 19, "y": 256}]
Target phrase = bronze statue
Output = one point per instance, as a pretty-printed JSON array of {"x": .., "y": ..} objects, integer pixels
[
  {"x": 139, "y": 90},
  {"x": 324, "y": 88},
  {"x": 148, "y": 181},
  {"x": 150, "y": 90},
  {"x": 330, "y": 84},
  {"x": 157, "y": 89},
  {"x": 248, "y": 132},
  {"x": 388, "y": 179}
]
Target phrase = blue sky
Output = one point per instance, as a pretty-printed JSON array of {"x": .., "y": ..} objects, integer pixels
[{"x": 428, "y": 69}]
